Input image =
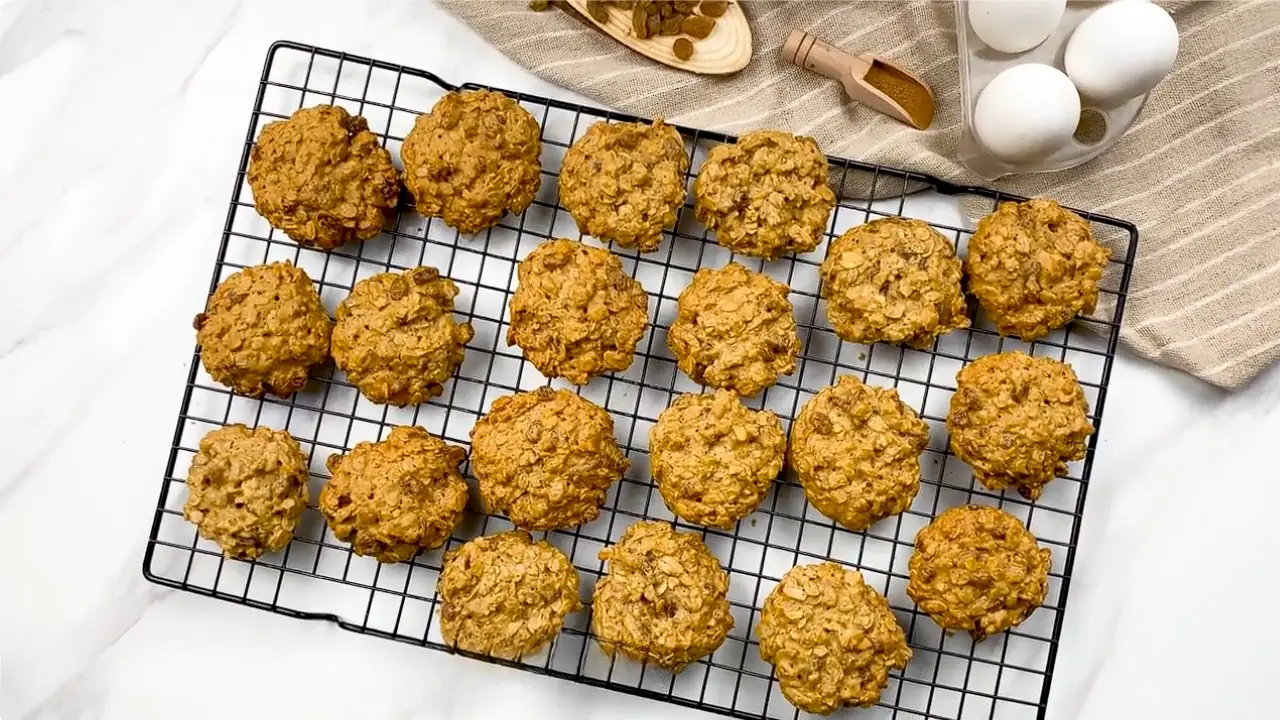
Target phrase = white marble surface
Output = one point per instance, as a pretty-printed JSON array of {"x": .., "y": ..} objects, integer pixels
[{"x": 121, "y": 132}]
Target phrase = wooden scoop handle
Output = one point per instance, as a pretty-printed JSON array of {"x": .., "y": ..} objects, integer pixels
[{"x": 806, "y": 51}]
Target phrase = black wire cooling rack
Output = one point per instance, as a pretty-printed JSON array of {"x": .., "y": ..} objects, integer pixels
[{"x": 317, "y": 577}]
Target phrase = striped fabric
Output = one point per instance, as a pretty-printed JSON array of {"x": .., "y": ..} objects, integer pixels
[{"x": 1199, "y": 172}]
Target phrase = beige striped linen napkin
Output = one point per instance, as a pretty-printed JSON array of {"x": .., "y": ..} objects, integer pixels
[{"x": 1198, "y": 173}]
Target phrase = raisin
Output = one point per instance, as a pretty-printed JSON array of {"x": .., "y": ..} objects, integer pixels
[
  {"x": 640, "y": 22},
  {"x": 682, "y": 48},
  {"x": 698, "y": 27},
  {"x": 599, "y": 10},
  {"x": 713, "y": 8}
]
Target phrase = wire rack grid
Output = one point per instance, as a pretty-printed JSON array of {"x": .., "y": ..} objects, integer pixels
[{"x": 317, "y": 577}]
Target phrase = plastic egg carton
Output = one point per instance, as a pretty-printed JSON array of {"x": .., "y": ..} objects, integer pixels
[{"x": 1100, "y": 127}]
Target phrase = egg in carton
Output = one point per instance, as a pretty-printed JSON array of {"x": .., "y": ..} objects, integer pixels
[{"x": 1048, "y": 85}]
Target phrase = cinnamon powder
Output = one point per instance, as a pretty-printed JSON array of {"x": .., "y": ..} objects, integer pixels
[{"x": 904, "y": 90}]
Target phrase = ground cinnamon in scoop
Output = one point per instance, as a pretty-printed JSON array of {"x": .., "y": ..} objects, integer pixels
[{"x": 904, "y": 90}]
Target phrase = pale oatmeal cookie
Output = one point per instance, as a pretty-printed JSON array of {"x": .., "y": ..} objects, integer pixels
[
  {"x": 395, "y": 498},
  {"x": 977, "y": 569},
  {"x": 322, "y": 177},
  {"x": 766, "y": 194},
  {"x": 505, "y": 596},
  {"x": 664, "y": 599},
  {"x": 831, "y": 638},
  {"x": 396, "y": 337},
  {"x": 713, "y": 459},
  {"x": 545, "y": 458},
  {"x": 576, "y": 314},
  {"x": 474, "y": 158},
  {"x": 625, "y": 182},
  {"x": 263, "y": 330},
  {"x": 856, "y": 450},
  {"x": 247, "y": 489},
  {"x": 1034, "y": 266},
  {"x": 893, "y": 280},
  {"x": 1018, "y": 420},
  {"x": 734, "y": 329}
]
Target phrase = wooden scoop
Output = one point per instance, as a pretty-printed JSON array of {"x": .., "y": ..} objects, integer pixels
[{"x": 914, "y": 102}]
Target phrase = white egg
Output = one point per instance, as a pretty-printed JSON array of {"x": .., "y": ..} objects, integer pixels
[
  {"x": 1014, "y": 26},
  {"x": 1121, "y": 51},
  {"x": 1026, "y": 112}
]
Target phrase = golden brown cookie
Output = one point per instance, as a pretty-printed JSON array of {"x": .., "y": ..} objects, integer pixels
[
  {"x": 545, "y": 458},
  {"x": 504, "y": 595},
  {"x": 664, "y": 599},
  {"x": 576, "y": 314},
  {"x": 322, "y": 177},
  {"x": 977, "y": 569},
  {"x": 856, "y": 450},
  {"x": 1018, "y": 420},
  {"x": 831, "y": 638},
  {"x": 395, "y": 498},
  {"x": 472, "y": 159},
  {"x": 396, "y": 338},
  {"x": 625, "y": 182},
  {"x": 734, "y": 329},
  {"x": 247, "y": 489},
  {"x": 893, "y": 280},
  {"x": 713, "y": 459},
  {"x": 766, "y": 194},
  {"x": 264, "y": 329},
  {"x": 1034, "y": 266}
]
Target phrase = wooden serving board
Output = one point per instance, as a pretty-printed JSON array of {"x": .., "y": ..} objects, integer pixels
[{"x": 726, "y": 50}]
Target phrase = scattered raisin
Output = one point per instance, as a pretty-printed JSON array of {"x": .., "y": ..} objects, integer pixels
[
  {"x": 698, "y": 27},
  {"x": 682, "y": 48},
  {"x": 640, "y": 23},
  {"x": 538, "y": 5},
  {"x": 713, "y": 8},
  {"x": 599, "y": 10},
  {"x": 655, "y": 25},
  {"x": 671, "y": 26}
]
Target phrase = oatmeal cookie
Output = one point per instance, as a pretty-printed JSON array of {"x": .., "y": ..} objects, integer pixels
[
  {"x": 766, "y": 194},
  {"x": 1018, "y": 420},
  {"x": 713, "y": 459},
  {"x": 504, "y": 595},
  {"x": 322, "y": 177},
  {"x": 576, "y": 314},
  {"x": 247, "y": 489},
  {"x": 856, "y": 450},
  {"x": 664, "y": 600},
  {"x": 625, "y": 181},
  {"x": 395, "y": 498},
  {"x": 472, "y": 159},
  {"x": 263, "y": 330},
  {"x": 545, "y": 458},
  {"x": 1034, "y": 266},
  {"x": 893, "y": 280},
  {"x": 396, "y": 338},
  {"x": 977, "y": 569},
  {"x": 831, "y": 638},
  {"x": 734, "y": 329}
]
